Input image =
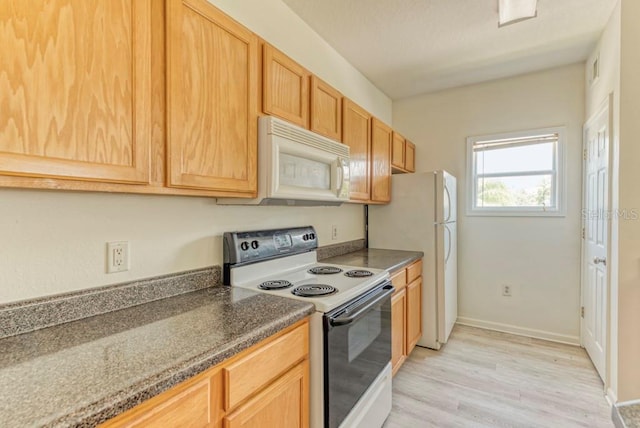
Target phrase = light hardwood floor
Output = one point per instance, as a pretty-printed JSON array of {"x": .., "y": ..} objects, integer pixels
[{"x": 483, "y": 378}]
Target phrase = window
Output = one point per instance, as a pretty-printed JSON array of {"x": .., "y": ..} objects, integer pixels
[{"x": 517, "y": 174}]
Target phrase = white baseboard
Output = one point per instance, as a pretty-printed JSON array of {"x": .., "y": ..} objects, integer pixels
[
  {"x": 520, "y": 331},
  {"x": 628, "y": 403},
  {"x": 611, "y": 397}
]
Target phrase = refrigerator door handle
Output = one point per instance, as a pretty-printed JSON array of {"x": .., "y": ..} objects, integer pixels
[
  {"x": 448, "y": 203},
  {"x": 446, "y": 259}
]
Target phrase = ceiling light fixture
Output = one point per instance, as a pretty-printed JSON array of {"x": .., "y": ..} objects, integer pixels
[{"x": 512, "y": 11}]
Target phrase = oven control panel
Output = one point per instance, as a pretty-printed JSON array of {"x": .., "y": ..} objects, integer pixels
[{"x": 254, "y": 246}]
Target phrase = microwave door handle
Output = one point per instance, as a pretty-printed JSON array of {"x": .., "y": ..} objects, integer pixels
[
  {"x": 362, "y": 310},
  {"x": 340, "y": 176}
]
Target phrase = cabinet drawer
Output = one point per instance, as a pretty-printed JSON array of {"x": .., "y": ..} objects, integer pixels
[
  {"x": 414, "y": 271},
  {"x": 399, "y": 280},
  {"x": 249, "y": 374}
]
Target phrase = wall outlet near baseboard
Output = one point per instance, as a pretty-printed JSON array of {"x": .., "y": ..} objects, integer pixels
[{"x": 506, "y": 290}]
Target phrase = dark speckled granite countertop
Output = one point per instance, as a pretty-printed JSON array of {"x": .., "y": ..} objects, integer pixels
[
  {"x": 85, "y": 372},
  {"x": 376, "y": 258},
  {"x": 629, "y": 416}
]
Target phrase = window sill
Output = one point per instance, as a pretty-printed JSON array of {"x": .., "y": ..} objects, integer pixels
[{"x": 515, "y": 213}]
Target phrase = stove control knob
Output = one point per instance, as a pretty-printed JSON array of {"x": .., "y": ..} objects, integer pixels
[
  {"x": 255, "y": 245},
  {"x": 305, "y": 237},
  {"x": 312, "y": 236},
  {"x": 244, "y": 246}
]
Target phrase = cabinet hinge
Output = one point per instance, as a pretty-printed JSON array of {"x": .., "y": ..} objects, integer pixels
[
  {"x": 584, "y": 154},
  {"x": 582, "y": 311},
  {"x": 583, "y": 233}
]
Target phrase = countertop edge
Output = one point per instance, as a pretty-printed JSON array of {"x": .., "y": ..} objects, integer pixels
[
  {"x": 390, "y": 260},
  {"x": 393, "y": 269},
  {"x": 118, "y": 403}
]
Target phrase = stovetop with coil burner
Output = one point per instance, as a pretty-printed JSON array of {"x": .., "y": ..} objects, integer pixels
[{"x": 284, "y": 263}]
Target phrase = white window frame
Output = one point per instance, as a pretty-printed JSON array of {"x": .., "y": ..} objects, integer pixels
[{"x": 559, "y": 210}]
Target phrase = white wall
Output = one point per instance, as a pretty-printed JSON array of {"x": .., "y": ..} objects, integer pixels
[
  {"x": 597, "y": 92},
  {"x": 620, "y": 62},
  {"x": 538, "y": 257},
  {"x": 53, "y": 242}
]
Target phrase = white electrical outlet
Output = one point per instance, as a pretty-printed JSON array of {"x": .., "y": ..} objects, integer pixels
[
  {"x": 334, "y": 232},
  {"x": 117, "y": 256},
  {"x": 506, "y": 290}
]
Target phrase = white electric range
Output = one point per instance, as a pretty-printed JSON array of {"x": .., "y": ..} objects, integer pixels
[{"x": 350, "y": 332}]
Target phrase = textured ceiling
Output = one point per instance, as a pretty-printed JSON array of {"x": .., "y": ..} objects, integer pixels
[{"x": 408, "y": 47}]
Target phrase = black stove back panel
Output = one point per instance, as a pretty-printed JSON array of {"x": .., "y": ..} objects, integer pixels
[{"x": 241, "y": 248}]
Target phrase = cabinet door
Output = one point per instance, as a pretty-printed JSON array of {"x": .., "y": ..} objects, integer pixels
[
  {"x": 397, "y": 153},
  {"x": 356, "y": 133},
  {"x": 285, "y": 90},
  {"x": 212, "y": 78},
  {"x": 196, "y": 402},
  {"x": 414, "y": 314},
  {"x": 283, "y": 404},
  {"x": 75, "y": 80},
  {"x": 326, "y": 110},
  {"x": 398, "y": 326},
  {"x": 410, "y": 156},
  {"x": 380, "y": 161}
]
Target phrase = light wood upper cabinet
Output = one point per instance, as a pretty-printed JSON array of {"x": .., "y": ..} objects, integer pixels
[
  {"x": 403, "y": 154},
  {"x": 285, "y": 87},
  {"x": 381, "y": 138},
  {"x": 397, "y": 153},
  {"x": 326, "y": 110},
  {"x": 410, "y": 156},
  {"x": 356, "y": 133},
  {"x": 212, "y": 79},
  {"x": 76, "y": 89}
]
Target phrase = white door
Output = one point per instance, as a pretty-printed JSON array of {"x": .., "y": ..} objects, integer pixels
[{"x": 596, "y": 226}]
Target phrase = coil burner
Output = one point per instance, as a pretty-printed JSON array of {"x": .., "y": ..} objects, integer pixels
[
  {"x": 324, "y": 270},
  {"x": 358, "y": 273},
  {"x": 278, "y": 284},
  {"x": 314, "y": 290}
]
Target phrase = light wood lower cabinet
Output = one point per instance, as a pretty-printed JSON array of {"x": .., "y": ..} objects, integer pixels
[
  {"x": 282, "y": 404},
  {"x": 398, "y": 328},
  {"x": 265, "y": 386},
  {"x": 414, "y": 313},
  {"x": 406, "y": 313}
]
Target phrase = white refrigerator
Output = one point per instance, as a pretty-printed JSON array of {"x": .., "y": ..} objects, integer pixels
[{"x": 422, "y": 217}]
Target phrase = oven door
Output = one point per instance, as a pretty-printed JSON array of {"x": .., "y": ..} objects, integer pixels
[{"x": 357, "y": 347}]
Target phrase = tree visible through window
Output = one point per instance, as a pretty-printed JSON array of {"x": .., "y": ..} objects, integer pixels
[{"x": 518, "y": 173}]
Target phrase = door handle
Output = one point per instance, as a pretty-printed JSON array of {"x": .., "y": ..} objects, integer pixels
[{"x": 598, "y": 260}]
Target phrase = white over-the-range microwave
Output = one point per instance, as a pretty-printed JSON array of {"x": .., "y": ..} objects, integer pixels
[{"x": 297, "y": 167}]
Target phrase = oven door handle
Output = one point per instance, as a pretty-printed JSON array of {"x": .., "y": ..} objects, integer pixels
[{"x": 362, "y": 309}]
